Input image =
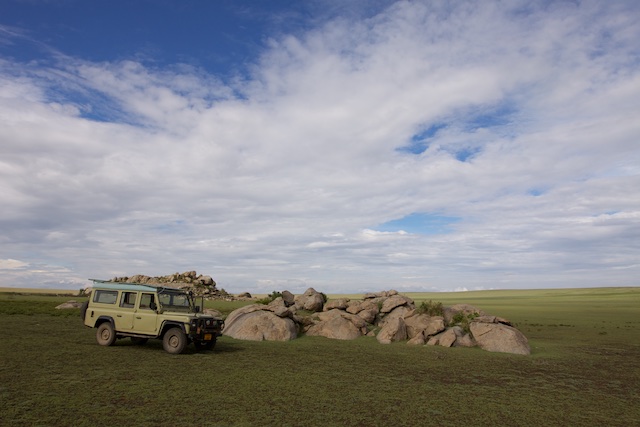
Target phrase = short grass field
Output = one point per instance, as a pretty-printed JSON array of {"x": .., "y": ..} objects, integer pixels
[{"x": 584, "y": 370}]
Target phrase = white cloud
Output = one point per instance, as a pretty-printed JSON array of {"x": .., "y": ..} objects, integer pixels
[
  {"x": 12, "y": 264},
  {"x": 281, "y": 178}
]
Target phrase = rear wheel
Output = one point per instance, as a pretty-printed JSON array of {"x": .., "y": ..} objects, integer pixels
[
  {"x": 174, "y": 341},
  {"x": 105, "y": 334}
]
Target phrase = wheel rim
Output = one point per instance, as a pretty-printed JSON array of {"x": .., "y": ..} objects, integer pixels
[
  {"x": 106, "y": 334},
  {"x": 174, "y": 341}
]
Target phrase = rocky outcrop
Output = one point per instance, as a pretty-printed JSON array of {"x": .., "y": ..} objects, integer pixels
[
  {"x": 199, "y": 284},
  {"x": 394, "y": 316}
]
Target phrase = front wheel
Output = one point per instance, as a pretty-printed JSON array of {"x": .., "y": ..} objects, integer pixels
[
  {"x": 105, "y": 334},
  {"x": 174, "y": 341}
]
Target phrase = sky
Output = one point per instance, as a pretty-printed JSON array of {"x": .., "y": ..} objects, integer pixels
[{"x": 346, "y": 146}]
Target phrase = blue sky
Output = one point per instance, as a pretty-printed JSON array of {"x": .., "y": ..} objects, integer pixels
[{"x": 347, "y": 146}]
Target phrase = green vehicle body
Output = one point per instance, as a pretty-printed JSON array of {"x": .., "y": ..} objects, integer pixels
[{"x": 143, "y": 312}]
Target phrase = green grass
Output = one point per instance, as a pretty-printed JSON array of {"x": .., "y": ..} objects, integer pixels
[
  {"x": 31, "y": 304},
  {"x": 584, "y": 370}
]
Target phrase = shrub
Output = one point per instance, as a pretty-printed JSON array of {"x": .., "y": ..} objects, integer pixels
[
  {"x": 463, "y": 320},
  {"x": 431, "y": 308},
  {"x": 272, "y": 296}
]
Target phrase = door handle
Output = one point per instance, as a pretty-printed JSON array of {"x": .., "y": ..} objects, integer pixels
[{"x": 138, "y": 317}]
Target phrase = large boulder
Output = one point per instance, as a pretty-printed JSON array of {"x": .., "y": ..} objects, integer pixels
[
  {"x": 311, "y": 300},
  {"x": 448, "y": 337},
  {"x": 419, "y": 339},
  {"x": 393, "y": 330},
  {"x": 465, "y": 341},
  {"x": 357, "y": 321},
  {"x": 398, "y": 312},
  {"x": 207, "y": 281},
  {"x": 257, "y": 323},
  {"x": 336, "y": 327},
  {"x": 368, "y": 315},
  {"x": 419, "y": 323},
  {"x": 500, "y": 338},
  {"x": 354, "y": 307},
  {"x": 394, "y": 301},
  {"x": 340, "y": 303},
  {"x": 289, "y": 298}
]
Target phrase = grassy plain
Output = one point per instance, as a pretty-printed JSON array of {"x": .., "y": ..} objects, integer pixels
[{"x": 584, "y": 370}]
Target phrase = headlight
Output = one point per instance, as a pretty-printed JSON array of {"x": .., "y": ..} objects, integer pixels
[{"x": 208, "y": 322}]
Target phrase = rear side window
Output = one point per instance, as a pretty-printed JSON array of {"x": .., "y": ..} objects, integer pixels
[
  {"x": 105, "y": 297},
  {"x": 146, "y": 300},
  {"x": 128, "y": 299}
]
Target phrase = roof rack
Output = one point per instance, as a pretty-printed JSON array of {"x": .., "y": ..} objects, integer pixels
[{"x": 133, "y": 286}]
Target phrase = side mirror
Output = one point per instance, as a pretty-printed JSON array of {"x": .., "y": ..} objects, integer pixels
[{"x": 153, "y": 306}]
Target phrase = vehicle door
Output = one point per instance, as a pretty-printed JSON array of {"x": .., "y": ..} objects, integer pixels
[
  {"x": 145, "y": 319},
  {"x": 126, "y": 310}
]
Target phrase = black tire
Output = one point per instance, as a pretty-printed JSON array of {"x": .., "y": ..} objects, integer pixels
[
  {"x": 105, "y": 334},
  {"x": 205, "y": 345},
  {"x": 83, "y": 309},
  {"x": 139, "y": 341},
  {"x": 174, "y": 341}
]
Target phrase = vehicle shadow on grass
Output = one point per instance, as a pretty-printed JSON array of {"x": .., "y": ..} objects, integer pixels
[{"x": 156, "y": 345}]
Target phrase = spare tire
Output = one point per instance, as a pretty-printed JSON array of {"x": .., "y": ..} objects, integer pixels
[{"x": 83, "y": 309}]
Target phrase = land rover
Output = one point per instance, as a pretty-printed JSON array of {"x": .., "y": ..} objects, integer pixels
[{"x": 142, "y": 312}]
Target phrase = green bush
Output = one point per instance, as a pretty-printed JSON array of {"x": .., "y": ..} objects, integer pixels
[
  {"x": 272, "y": 296},
  {"x": 463, "y": 320},
  {"x": 431, "y": 308}
]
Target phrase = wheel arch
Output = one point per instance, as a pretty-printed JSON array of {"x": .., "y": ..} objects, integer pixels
[
  {"x": 102, "y": 319},
  {"x": 168, "y": 324}
]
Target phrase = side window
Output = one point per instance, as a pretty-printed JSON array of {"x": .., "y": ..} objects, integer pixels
[
  {"x": 105, "y": 297},
  {"x": 128, "y": 299},
  {"x": 146, "y": 300}
]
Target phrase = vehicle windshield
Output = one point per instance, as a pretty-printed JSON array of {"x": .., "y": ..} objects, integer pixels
[{"x": 176, "y": 300}]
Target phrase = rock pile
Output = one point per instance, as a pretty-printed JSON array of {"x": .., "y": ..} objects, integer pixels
[
  {"x": 386, "y": 315},
  {"x": 200, "y": 285}
]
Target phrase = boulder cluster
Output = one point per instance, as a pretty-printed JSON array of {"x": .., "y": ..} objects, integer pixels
[
  {"x": 200, "y": 285},
  {"x": 387, "y": 315}
]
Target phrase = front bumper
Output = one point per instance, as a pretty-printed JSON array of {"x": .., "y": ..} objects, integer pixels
[{"x": 206, "y": 329}]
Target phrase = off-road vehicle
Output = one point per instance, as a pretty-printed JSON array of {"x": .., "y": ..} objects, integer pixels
[{"x": 141, "y": 312}]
